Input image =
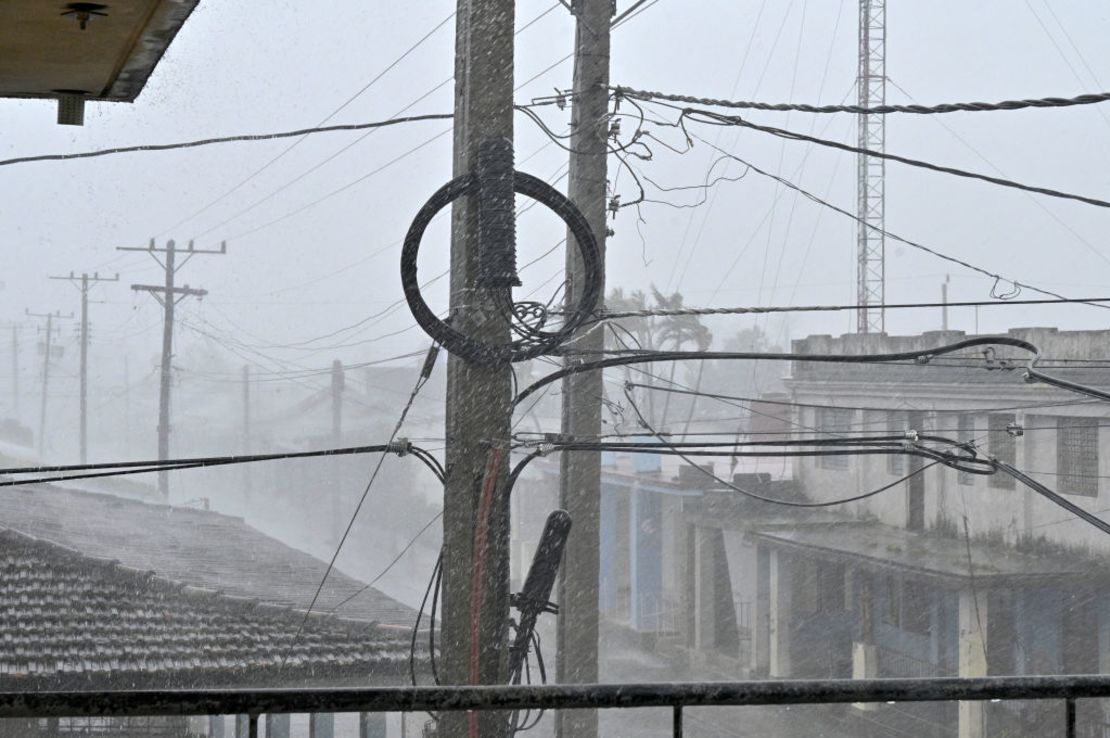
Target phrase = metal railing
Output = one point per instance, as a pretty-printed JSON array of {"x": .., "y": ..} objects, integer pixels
[{"x": 677, "y": 696}]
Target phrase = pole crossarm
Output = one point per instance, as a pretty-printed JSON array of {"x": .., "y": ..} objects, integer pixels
[
  {"x": 187, "y": 250},
  {"x": 185, "y": 291},
  {"x": 94, "y": 278}
]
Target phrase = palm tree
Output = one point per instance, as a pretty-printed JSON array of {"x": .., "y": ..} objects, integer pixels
[
  {"x": 650, "y": 333},
  {"x": 678, "y": 331}
]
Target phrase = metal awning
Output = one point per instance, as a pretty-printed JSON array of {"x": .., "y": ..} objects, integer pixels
[{"x": 87, "y": 51}]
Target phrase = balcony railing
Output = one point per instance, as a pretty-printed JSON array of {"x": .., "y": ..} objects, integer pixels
[{"x": 677, "y": 696}]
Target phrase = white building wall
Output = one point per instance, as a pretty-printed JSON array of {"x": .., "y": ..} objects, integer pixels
[{"x": 1005, "y": 514}]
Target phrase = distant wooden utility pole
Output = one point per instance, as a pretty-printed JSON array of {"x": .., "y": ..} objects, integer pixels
[
  {"x": 168, "y": 294},
  {"x": 82, "y": 283},
  {"x": 50, "y": 317},
  {"x": 580, "y": 472}
]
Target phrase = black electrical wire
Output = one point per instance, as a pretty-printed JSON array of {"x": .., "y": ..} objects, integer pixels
[
  {"x": 688, "y": 457},
  {"x": 959, "y": 107},
  {"x": 422, "y": 379},
  {"x": 389, "y": 567},
  {"x": 329, "y": 116},
  {"x": 401, "y": 449},
  {"x": 1031, "y": 372},
  {"x": 733, "y": 399},
  {"x": 886, "y": 233},
  {"x": 772, "y": 500},
  {"x": 419, "y": 616},
  {"x": 226, "y": 139},
  {"x": 712, "y": 118},
  {"x": 1052, "y": 496},
  {"x": 432, "y": 619},
  {"x": 965, "y": 463},
  {"x": 656, "y": 313}
]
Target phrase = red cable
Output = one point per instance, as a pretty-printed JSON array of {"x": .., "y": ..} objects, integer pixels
[{"x": 485, "y": 504}]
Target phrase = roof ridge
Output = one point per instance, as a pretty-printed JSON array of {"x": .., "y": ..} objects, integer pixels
[
  {"x": 148, "y": 577},
  {"x": 114, "y": 498}
]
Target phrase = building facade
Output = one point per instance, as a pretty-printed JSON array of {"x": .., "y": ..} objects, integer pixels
[{"x": 944, "y": 572}]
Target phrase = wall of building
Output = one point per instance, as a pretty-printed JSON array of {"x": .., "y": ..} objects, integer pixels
[{"x": 991, "y": 506}]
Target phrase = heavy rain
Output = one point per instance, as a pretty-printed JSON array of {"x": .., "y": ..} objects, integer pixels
[{"x": 566, "y": 368}]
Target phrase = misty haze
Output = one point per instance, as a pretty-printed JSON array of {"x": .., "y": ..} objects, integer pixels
[{"x": 571, "y": 368}]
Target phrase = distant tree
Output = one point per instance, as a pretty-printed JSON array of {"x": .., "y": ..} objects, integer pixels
[
  {"x": 744, "y": 378},
  {"x": 657, "y": 333}
]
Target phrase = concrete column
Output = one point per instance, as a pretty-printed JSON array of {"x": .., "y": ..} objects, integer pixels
[
  {"x": 865, "y": 659},
  {"x": 973, "y": 658},
  {"x": 216, "y": 726},
  {"x": 865, "y": 654},
  {"x": 781, "y": 614},
  {"x": 242, "y": 726},
  {"x": 371, "y": 725},
  {"x": 277, "y": 726},
  {"x": 321, "y": 725},
  {"x": 634, "y": 556},
  {"x": 705, "y": 588},
  {"x": 761, "y": 627}
]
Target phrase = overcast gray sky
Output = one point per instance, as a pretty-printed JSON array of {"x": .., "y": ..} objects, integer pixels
[{"x": 238, "y": 68}]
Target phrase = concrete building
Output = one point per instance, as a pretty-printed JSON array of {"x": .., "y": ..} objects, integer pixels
[{"x": 946, "y": 573}]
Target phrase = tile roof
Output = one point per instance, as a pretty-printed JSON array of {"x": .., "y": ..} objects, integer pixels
[
  {"x": 72, "y": 619},
  {"x": 192, "y": 547}
]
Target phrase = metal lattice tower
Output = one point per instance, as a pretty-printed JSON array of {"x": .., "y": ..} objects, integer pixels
[{"x": 870, "y": 189}]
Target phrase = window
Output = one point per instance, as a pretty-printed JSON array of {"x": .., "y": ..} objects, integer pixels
[
  {"x": 833, "y": 421},
  {"x": 1077, "y": 456},
  {"x": 896, "y": 423},
  {"x": 1003, "y": 447},
  {"x": 966, "y": 434}
]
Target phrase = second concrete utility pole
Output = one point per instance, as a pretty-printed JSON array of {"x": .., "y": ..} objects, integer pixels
[
  {"x": 168, "y": 294},
  {"x": 580, "y": 473}
]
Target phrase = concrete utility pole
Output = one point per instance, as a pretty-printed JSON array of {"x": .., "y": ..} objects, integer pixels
[
  {"x": 48, "y": 348},
  {"x": 580, "y": 473},
  {"x": 82, "y": 284},
  {"x": 478, "y": 397},
  {"x": 168, "y": 295}
]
